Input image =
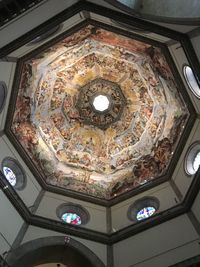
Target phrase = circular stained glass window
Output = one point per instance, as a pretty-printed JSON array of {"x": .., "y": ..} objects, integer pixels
[
  {"x": 73, "y": 214},
  {"x": 71, "y": 218},
  {"x": 145, "y": 213},
  {"x": 14, "y": 173},
  {"x": 192, "y": 159},
  {"x": 10, "y": 176},
  {"x": 191, "y": 80},
  {"x": 143, "y": 208}
]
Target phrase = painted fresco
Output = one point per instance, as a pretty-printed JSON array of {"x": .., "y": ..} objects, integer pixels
[{"x": 69, "y": 151}]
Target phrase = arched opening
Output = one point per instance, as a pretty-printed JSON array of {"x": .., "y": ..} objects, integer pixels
[{"x": 57, "y": 249}]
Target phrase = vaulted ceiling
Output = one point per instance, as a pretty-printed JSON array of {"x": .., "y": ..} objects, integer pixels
[{"x": 76, "y": 151}]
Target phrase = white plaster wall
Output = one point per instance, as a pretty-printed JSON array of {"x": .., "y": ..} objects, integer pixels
[
  {"x": 181, "y": 178},
  {"x": 35, "y": 232},
  {"x": 196, "y": 207},
  {"x": 7, "y": 70},
  {"x": 172, "y": 256},
  {"x": 151, "y": 35},
  {"x": 180, "y": 59},
  {"x": 160, "y": 246},
  {"x": 65, "y": 26},
  {"x": 195, "y": 42},
  {"x": 4, "y": 246},
  {"x": 51, "y": 201},
  {"x": 32, "y": 189},
  {"x": 163, "y": 192},
  {"x": 32, "y": 19},
  {"x": 10, "y": 223}
]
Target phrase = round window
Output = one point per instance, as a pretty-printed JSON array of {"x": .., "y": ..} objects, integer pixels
[
  {"x": 143, "y": 209},
  {"x": 192, "y": 159},
  {"x": 101, "y": 103},
  {"x": 73, "y": 214},
  {"x": 71, "y": 218},
  {"x": 145, "y": 213},
  {"x": 14, "y": 173},
  {"x": 191, "y": 80},
  {"x": 10, "y": 176},
  {"x": 196, "y": 161}
]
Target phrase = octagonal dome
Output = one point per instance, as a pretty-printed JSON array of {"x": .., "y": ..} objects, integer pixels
[{"x": 76, "y": 147}]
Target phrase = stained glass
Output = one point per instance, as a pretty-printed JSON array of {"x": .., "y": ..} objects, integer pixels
[
  {"x": 145, "y": 213},
  {"x": 10, "y": 176},
  {"x": 71, "y": 218},
  {"x": 196, "y": 162}
]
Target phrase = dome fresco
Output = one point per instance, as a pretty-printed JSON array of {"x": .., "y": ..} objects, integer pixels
[{"x": 76, "y": 147}]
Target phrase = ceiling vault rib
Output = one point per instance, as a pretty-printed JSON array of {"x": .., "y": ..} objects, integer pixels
[
  {"x": 176, "y": 190},
  {"x": 69, "y": 229},
  {"x": 9, "y": 59},
  {"x": 193, "y": 219},
  {"x": 110, "y": 256},
  {"x": 14, "y": 198},
  {"x": 109, "y": 220},
  {"x": 37, "y": 202},
  {"x": 20, "y": 236}
]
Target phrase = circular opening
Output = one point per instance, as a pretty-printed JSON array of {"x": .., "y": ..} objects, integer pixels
[
  {"x": 143, "y": 208},
  {"x": 196, "y": 162},
  {"x": 191, "y": 81},
  {"x": 73, "y": 214},
  {"x": 192, "y": 159},
  {"x": 14, "y": 173},
  {"x": 101, "y": 103},
  {"x": 10, "y": 176},
  {"x": 71, "y": 218},
  {"x": 145, "y": 213}
]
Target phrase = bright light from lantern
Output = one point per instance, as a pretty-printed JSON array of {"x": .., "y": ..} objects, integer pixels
[{"x": 101, "y": 103}]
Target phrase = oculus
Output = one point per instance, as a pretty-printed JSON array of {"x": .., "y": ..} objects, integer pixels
[
  {"x": 143, "y": 208},
  {"x": 191, "y": 80},
  {"x": 73, "y": 214},
  {"x": 14, "y": 173},
  {"x": 10, "y": 176},
  {"x": 100, "y": 103},
  {"x": 98, "y": 152},
  {"x": 192, "y": 159}
]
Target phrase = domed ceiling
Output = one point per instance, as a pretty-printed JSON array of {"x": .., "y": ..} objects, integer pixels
[{"x": 99, "y": 113}]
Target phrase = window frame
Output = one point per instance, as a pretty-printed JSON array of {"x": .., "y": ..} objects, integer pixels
[
  {"x": 189, "y": 83},
  {"x": 73, "y": 208},
  {"x": 141, "y": 203}
]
